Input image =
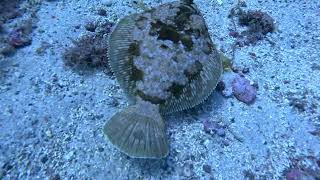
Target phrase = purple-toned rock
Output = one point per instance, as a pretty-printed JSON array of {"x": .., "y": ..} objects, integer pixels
[
  {"x": 221, "y": 132},
  {"x": 19, "y": 38},
  {"x": 212, "y": 127},
  {"x": 209, "y": 126},
  {"x": 243, "y": 90},
  {"x": 297, "y": 174},
  {"x": 294, "y": 174}
]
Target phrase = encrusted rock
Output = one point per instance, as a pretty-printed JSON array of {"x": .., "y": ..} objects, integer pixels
[{"x": 243, "y": 90}]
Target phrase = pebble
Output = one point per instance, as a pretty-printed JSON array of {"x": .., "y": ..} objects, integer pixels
[
  {"x": 221, "y": 132},
  {"x": 107, "y": 2},
  {"x": 100, "y": 149},
  {"x": 44, "y": 159},
  {"x": 206, "y": 168},
  {"x": 34, "y": 122},
  {"x": 55, "y": 177},
  {"x": 220, "y": 2},
  {"x": 245, "y": 70},
  {"x": 9, "y": 110},
  {"x": 18, "y": 75},
  {"x": 48, "y": 133},
  {"x": 226, "y": 142},
  {"x": 90, "y": 26},
  {"x": 66, "y": 138},
  {"x": 114, "y": 102},
  {"x": 102, "y": 12},
  {"x": 69, "y": 156},
  {"x": 187, "y": 170}
]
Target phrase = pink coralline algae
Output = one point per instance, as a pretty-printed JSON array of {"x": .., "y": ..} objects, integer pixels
[{"x": 243, "y": 90}]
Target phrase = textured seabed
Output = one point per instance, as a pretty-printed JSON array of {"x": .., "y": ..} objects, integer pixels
[{"x": 51, "y": 117}]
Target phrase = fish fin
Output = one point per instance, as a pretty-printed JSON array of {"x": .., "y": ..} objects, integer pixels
[
  {"x": 138, "y": 131},
  {"x": 119, "y": 56}
]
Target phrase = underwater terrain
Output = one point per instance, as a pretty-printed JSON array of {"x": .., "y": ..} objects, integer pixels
[{"x": 57, "y": 92}]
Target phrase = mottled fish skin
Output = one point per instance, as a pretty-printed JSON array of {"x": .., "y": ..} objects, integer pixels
[
  {"x": 171, "y": 58},
  {"x": 162, "y": 58}
]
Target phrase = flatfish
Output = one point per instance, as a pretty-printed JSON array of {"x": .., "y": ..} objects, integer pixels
[{"x": 165, "y": 61}]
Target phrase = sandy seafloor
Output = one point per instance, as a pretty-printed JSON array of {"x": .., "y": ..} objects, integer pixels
[{"x": 57, "y": 133}]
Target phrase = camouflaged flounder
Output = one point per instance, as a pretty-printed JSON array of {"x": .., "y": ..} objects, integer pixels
[{"x": 165, "y": 61}]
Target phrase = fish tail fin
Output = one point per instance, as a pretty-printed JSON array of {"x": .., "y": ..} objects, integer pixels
[{"x": 138, "y": 131}]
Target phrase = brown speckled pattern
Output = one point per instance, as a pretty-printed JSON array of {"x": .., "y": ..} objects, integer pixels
[{"x": 170, "y": 58}]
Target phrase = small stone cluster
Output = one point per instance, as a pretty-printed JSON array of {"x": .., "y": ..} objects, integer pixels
[{"x": 238, "y": 86}]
